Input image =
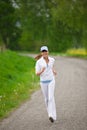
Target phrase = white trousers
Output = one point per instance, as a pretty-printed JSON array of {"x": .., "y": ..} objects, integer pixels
[{"x": 48, "y": 92}]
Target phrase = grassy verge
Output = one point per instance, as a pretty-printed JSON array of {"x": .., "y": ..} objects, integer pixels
[
  {"x": 78, "y": 53},
  {"x": 17, "y": 81}
]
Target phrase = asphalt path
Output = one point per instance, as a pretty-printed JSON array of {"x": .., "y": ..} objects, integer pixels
[{"x": 70, "y": 97}]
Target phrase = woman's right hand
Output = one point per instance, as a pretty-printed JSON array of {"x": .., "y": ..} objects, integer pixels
[{"x": 43, "y": 69}]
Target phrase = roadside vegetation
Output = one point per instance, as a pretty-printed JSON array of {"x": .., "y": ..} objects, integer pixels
[
  {"x": 80, "y": 53},
  {"x": 17, "y": 81}
]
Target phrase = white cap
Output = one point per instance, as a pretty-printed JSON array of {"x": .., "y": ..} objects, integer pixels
[{"x": 44, "y": 48}]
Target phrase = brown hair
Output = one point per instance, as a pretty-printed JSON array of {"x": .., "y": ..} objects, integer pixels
[{"x": 38, "y": 57}]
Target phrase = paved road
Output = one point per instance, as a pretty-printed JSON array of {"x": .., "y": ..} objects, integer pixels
[{"x": 71, "y": 101}]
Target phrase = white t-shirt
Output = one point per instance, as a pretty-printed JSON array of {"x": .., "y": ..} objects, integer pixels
[{"x": 48, "y": 72}]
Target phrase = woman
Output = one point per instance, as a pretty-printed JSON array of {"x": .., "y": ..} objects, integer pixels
[{"x": 44, "y": 69}]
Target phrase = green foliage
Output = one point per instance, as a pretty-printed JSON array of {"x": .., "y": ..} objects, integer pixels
[
  {"x": 58, "y": 24},
  {"x": 9, "y": 31},
  {"x": 17, "y": 80},
  {"x": 72, "y": 14}
]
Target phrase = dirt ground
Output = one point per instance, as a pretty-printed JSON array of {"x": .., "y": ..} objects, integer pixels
[{"x": 70, "y": 97}]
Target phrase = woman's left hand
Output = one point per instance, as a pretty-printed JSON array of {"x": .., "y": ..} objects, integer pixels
[{"x": 54, "y": 72}]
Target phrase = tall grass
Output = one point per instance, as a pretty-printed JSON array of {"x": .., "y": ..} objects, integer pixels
[{"x": 17, "y": 81}]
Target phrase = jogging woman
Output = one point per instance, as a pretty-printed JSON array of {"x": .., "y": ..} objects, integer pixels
[{"x": 45, "y": 69}]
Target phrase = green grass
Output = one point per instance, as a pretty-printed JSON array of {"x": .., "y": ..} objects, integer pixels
[{"x": 17, "y": 81}]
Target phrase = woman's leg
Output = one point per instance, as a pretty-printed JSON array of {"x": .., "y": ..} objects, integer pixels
[
  {"x": 44, "y": 88},
  {"x": 48, "y": 92},
  {"x": 51, "y": 101}
]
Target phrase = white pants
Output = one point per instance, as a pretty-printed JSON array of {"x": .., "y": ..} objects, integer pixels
[{"x": 48, "y": 92}]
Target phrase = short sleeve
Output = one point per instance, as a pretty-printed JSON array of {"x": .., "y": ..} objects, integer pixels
[
  {"x": 37, "y": 67},
  {"x": 52, "y": 60}
]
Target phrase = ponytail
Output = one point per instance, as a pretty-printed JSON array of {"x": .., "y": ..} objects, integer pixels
[{"x": 38, "y": 57}]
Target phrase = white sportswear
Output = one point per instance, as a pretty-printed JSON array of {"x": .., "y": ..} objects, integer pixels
[{"x": 48, "y": 73}]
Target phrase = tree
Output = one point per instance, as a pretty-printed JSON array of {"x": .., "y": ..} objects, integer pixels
[
  {"x": 73, "y": 14},
  {"x": 58, "y": 24},
  {"x": 61, "y": 23},
  {"x": 8, "y": 21}
]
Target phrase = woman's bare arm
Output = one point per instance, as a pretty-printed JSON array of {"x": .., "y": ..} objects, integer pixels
[{"x": 40, "y": 72}]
